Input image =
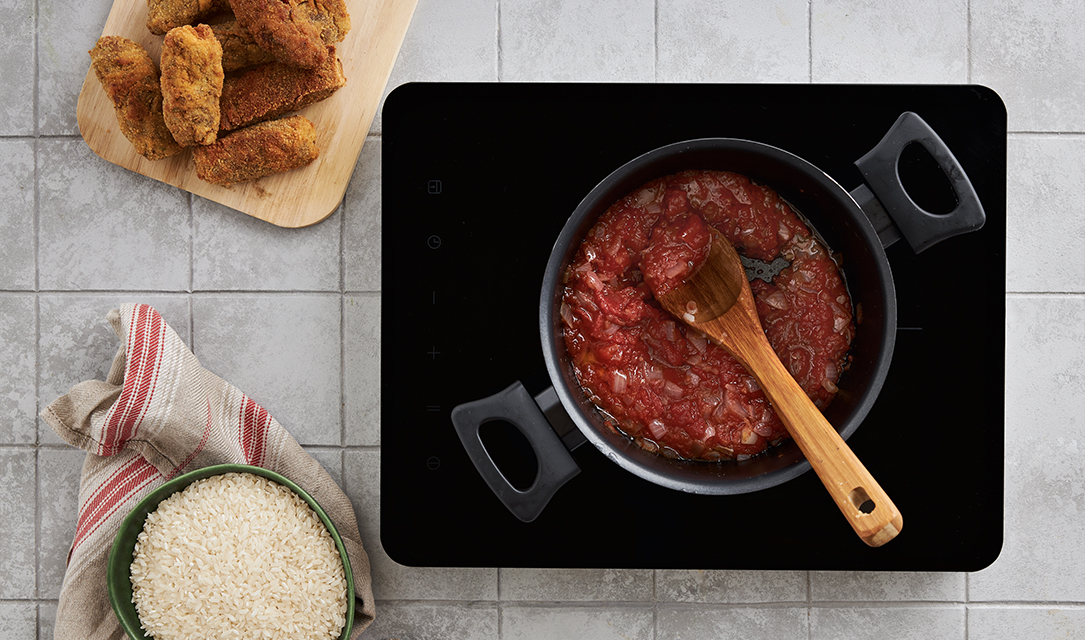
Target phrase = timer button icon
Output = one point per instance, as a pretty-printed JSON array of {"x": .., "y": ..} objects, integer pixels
[{"x": 433, "y": 242}]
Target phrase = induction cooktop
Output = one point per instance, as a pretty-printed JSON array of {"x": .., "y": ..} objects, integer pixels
[{"x": 479, "y": 179}]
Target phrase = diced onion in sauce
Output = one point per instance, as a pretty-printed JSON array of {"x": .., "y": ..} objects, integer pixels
[
  {"x": 776, "y": 300},
  {"x": 619, "y": 382},
  {"x": 657, "y": 428}
]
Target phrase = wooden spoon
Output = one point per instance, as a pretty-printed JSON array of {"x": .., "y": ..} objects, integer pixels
[{"x": 717, "y": 301}]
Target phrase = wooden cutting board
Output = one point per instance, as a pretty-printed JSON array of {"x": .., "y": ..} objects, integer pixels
[{"x": 296, "y": 198}]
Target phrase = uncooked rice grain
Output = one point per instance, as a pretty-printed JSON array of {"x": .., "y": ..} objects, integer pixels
[{"x": 237, "y": 556}]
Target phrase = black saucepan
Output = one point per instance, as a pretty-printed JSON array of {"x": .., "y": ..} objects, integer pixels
[{"x": 858, "y": 225}]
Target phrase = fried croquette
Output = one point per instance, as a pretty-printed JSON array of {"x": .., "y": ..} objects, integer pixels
[
  {"x": 191, "y": 84},
  {"x": 257, "y": 151},
  {"x": 329, "y": 16},
  {"x": 294, "y": 31},
  {"x": 274, "y": 89},
  {"x": 131, "y": 81},
  {"x": 239, "y": 50},
  {"x": 163, "y": 15}
]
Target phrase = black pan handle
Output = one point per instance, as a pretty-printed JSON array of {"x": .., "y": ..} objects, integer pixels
[
  {"x": 515, "y": 406},
  {"x": 922, "y": 229}
]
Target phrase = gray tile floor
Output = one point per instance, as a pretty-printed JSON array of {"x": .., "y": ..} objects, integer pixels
[{"x": 297, "y": 310}]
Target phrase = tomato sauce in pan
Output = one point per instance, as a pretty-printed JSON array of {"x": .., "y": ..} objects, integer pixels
[{"x": 666, "y": 385}]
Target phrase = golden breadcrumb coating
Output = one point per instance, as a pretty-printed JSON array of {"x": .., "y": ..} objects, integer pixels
[
  {"x": 239, "y": 50},
  {"x": 329, "y": 16},
  {"x": 294, "y": 31},
  {"x": 191, "y": 84},
  {"x": 273, "y": 89},
  {"x": 163, "y": 15},
  {"x": 257, "y": 151},
  {"x": 130, "y": 79}
]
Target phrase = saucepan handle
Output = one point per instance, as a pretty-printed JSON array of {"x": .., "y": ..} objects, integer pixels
[
  {"x": 515, "y": 406},
  {"x": 922, "y": 229}
]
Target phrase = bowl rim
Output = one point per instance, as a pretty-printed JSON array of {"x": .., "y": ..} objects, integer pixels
[{"x": 118, "y": 567}]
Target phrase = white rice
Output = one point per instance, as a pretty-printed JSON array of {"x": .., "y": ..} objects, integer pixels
[{"x": 237, "y": 556}]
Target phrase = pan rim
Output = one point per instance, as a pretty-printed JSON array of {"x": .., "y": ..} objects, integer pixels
[{"x": 690, "y": 476}]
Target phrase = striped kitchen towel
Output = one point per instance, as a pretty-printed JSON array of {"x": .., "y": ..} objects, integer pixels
[{"x": 158, "y": 414}]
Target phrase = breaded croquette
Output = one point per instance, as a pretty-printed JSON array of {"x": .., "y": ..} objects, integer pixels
[
  {"x": 191, "y": 84},
  {"x": 239, "y": 50},
  {"x": 273, "y": 89},
  {"x": 257, "y": 151},
  {"x": 329, "y": 16},
  {"x": 163, "y": 15},
  {"x": 294, "y": 31},
  {"x": 130, "y": 79}
]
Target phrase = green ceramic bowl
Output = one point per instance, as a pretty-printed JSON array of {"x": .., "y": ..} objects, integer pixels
[{"x": 118, "y": 572}]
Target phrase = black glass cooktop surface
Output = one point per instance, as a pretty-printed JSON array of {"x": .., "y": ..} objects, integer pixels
[{"x": 478, "y": 181}]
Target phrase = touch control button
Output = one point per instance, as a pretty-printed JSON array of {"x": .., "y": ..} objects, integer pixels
[
  {"x": 434, "y": 187},
  {"x": 433, "y": 463},
  {"x": 433, "y": 242}
]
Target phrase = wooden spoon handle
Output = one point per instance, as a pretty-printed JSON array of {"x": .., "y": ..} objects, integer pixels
[{"x": 860, "y": 498}]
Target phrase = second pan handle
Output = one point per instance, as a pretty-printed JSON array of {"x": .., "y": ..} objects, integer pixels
[{"x": 921, "y": 228}]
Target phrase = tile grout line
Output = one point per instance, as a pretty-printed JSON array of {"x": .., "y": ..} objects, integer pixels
[
  {"x": 810, "y": 41},
  {"x": 342, "y": 330},
  {"x": 655, "y": 43},
  {"x": 968, "y": 42},
  {"x": 191, "y": 273},
  {"x": 497, "y": 39},
  {"x": 655, "y": 604},
  {"x": 36, "y": 251},
  {"x": 809, "y": 604}
]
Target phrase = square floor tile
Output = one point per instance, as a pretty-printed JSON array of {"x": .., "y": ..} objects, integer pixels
[
  {"x": 913, "y": 41},
  {"x": 361, "y": 370},
  {"x": 733, "y": 42},
  {"x": 17, "y": 51},
  {"x": 562, "y": 40},
  {"x": 577, "y": 585},
  {"x": 58, "y": 506},
  {"x": 899, "y": 623},
  {"x": 1045, "y": 213},
  {"x": 596, "y": 623},
  {"x": 1043, "y": 556},
  {"x": 16, "y": 213},
  {"x": 362, "y": 222},
  {"x": 731, "y": 586},
  {"x": 877, "y": 586},
  {"x": 749, "y": 623},
  {"x": 47, "y": 616},
  {"x": 1025, "y": 623},
  {"x": 1033, "y": 54},
  {"x": 232, "y": 251},
  {"x": 104, "y": 227},
  {"x": 18, "y": 368},
  {"x": 18, "y": 620},
  {"x": 66, "y": 32},
  {"x": 17, "y": 558},
  {"x": 281, "y": 351},
  {"x": 425, "y": 620}
]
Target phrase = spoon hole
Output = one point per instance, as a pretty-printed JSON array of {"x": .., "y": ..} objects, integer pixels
[{"x": 861, "y": 500}]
